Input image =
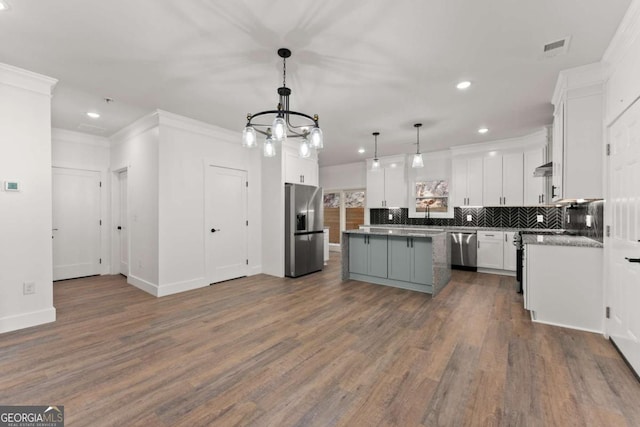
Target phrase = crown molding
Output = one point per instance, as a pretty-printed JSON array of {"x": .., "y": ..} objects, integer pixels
[
  {"x": 536, "y": 139},
  {"x": 28, "y": 80},
  {"x": 141, "y": 125},
  {"x": 628, "y": 31},
  {"x": 79, "y": 138},
  {"x": 577, "y": 78},
  {"x": 177, "y": 121}
]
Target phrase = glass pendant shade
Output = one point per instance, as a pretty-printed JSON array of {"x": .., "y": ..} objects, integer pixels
[
  {"x": 269, "y": 149},
  {"x": 305, "y": 149},
  {"x": 316, "y": 138},
  {"x": 278, "y": 130},
  {"x": 375, "y": 165},
  {"x": 417, "y": 161},
  {"x": 249, "y": 139}
]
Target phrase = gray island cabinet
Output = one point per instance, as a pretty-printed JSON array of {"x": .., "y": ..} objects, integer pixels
[{"x": 408, "y": 260}]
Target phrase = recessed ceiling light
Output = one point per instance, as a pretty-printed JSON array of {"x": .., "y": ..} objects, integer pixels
[
  {"x": 93, "y": 115},
  {"x": 483, "y": 130},
  {"x": 360, "y": 150},
  {"x": 3, "y": 5},
  {"x": 463, "y": 85}
]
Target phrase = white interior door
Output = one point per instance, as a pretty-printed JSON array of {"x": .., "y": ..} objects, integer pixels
[
  {"x": 123, "y": 229},
  {"x": 76, "y": 223},
  {"x": 623, "y": 256},
  {"x": 226, "y": 223}
]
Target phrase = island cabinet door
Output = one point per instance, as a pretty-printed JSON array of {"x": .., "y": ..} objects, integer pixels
[
  {"x": 400, "y": 258},
  {"x": 358, "y": 254},
  {"x": 377, "y": 256},
  {"x": 422, "y": 261}
]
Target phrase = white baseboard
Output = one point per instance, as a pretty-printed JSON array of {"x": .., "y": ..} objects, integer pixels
[
  {"x": 496, "y": 271},
  {"x": 27, "y": 320},
  {"x": 177, "y": 287},
  {"x": 143, "y": 285},
  {"x": 256, "y": 269}
]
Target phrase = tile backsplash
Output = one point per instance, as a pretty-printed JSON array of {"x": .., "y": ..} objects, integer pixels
[{"x": 508, "y": 217}]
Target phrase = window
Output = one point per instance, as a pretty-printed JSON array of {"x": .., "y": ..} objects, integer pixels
[{"x": 431, "y": 199}]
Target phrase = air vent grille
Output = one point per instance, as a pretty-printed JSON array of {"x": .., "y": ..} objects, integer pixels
[
  {"x": 557, "y": 47},
  {"x": 553, "y": 45},
  {"x": 90, "y": 128}
]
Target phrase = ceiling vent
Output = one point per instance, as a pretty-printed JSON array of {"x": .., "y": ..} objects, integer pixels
[
  {"x": 91, "y": 129},
  {"x": 557, "y": 47}
]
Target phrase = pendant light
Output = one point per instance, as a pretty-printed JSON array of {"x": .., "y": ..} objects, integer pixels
[
  {"x": 417, "y": 158},
  {"x": 375, "y": 165}
]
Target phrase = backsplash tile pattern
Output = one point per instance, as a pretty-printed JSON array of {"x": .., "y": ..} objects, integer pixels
[
  {"x": 577, "y": 219},
  {"x": 508, "y": 217}
]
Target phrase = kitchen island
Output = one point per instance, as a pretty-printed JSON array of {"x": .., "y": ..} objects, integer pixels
[{"x": 419, "y": 260}]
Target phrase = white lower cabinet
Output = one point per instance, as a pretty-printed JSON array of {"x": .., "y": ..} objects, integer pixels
[
  {"x": 509, "y": 251},
  {"x": 490, "y": 249},
  {"x": 564, "y": 286}
]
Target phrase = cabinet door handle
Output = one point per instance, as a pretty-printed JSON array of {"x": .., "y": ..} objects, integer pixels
[
  {"x": 407, "y": 242},
  {"x": 412, "y": 242},
  {"x": 542, "y": 196},
  {"x": 632, "y": 259},
  {"x": 478, "y": 244},
  {"x": 505, "y": 237},
  {"x": 553, "y": 191}
]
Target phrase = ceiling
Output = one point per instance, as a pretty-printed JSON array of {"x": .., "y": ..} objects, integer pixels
[{"x": 361, "y": 65}]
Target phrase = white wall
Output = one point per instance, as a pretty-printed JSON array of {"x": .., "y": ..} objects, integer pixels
[
  {"x": 351, "y": 176},
  {"x": 136, "y": 148},
  {"x": 25, "y": 216},
  {"x": 75, "y": 150},
  {"x": 187, "y": 148}
]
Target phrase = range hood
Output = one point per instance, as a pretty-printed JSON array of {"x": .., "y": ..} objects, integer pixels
[{"x": 544, "y": 170}]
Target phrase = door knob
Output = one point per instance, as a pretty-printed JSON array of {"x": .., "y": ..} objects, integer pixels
[
  {"x": 632, "y": 259},
  {"x": 213, "y": 230}
]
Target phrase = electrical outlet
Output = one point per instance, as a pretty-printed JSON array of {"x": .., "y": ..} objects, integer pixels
[
  {"x": 568, "y": 219},
  {"x": 589, "y": 219},
  {"x": 540, "y": 218},
  {"x": 28, "y": 288},
  {"x": 469, "y": 218},
  {"x": 390, "y": 217}
]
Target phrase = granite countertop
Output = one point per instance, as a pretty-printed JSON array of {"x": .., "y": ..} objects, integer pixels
[
  {"x": 581, "y": 241},
  {"x": 381, "y": 231},
  {"x": 454, "y": 228}
]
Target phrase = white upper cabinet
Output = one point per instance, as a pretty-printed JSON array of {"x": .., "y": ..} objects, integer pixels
[
  {"x": 503, "y": 180},
  {"x": 387, "y": 186},
  {"x": 467, "y": 181},
  {"x": 578, "y": 147},
  {"x": 299, "y": 170},
  {"x": 534, "y": 186}
]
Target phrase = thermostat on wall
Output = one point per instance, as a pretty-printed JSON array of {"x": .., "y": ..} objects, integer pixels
[{"x": 11, "y": 186}]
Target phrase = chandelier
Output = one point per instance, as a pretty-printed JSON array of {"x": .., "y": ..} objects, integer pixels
[{"x": 286, "y": 123}]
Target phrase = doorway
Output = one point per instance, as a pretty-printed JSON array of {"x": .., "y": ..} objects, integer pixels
[
  {"x": 343, "y": 210},
  {"x": 122, "y": 227},
  {"x": 76, "y": 223},
  {"x": 225, "y": 223}
]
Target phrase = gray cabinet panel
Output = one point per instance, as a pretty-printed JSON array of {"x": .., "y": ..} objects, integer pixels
[
  {"x": 400, "y": 258},
  {"x": 422, "y": 271},
  {"x": 358, "y": 254},
  {"x": 378, "y": 256}
]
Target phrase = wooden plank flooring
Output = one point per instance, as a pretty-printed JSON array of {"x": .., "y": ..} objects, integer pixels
[{"x": 313, "y": 351}]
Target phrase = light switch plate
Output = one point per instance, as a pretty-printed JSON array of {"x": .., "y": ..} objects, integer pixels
[
  {"x": 540, "y": 218},
  {"x": 390, "y": 217},
  {"x": 28, "y": 288},
  {"x": 589, "y": 219},
  {"x": 469, "y": 218}
]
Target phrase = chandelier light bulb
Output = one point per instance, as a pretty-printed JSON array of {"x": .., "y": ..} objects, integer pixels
[
  {"x": 279, "y": 129},
  {"x": 305, "y": 149},
  {"x": 316, "y": 138},
  {"x": 375, "y": 165},
  {"x": 269, "y": 149},
  {"x": 249, "y": 139}
]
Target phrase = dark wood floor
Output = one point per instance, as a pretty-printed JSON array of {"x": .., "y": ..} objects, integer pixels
[{"x": 313, "y": 351}]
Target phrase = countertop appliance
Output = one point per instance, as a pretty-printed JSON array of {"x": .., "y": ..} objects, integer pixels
[
  {"x": 464, "y": 250},
  {"x": 304, "y": 223}
]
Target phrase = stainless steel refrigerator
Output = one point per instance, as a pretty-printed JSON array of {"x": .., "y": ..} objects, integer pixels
[{"x": 304, "y": 221}]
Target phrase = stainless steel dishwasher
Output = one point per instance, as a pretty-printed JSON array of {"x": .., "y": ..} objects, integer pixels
[{"x": 464, "y": 250}]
